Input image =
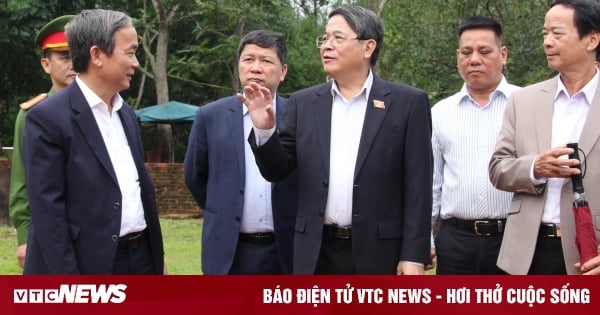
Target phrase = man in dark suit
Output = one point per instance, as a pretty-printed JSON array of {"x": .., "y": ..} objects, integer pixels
[
  {"x": 93, "y": 208},
  {"x": 248, "y": 221},
  {"x": 361, "y": 147}
]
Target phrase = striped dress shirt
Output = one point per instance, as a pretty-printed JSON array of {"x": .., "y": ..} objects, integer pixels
[{"x": 463, "y": 139}]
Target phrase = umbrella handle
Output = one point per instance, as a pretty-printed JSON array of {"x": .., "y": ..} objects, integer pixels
[{"x": 576, "y": 179}]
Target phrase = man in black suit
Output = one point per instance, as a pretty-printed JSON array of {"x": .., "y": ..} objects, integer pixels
[
  {"x": 248, "y": 222},
  {"x": 93, "y": 208},
  {"x": 362, "y": 149}
]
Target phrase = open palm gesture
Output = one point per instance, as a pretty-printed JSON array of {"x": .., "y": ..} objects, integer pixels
[{"x": 259, "y": 101}]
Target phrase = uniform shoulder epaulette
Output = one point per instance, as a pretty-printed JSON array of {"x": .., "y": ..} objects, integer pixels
[{"x": 32, "y": 102}]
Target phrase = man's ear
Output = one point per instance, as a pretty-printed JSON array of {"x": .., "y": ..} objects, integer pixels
[
  {"x": 370, "y": 46},
  {"x": 45, "y": 62},
  {"x": 96, "y": 56},
  {"x": 594, "y": 40}
]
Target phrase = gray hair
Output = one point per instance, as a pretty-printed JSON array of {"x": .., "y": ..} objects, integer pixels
[
  {"x": 365, "y": 23},
  {"x": 93, "y": 28}
]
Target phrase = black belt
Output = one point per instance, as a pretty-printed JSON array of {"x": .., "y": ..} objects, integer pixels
[
  {"x": 341, "y": 232},
  {"x": 261, "y": 238},
  {"x": 549, "y": 230},
  {"x": 132, "y": 240},
  {"x": 487, "y": 227}
]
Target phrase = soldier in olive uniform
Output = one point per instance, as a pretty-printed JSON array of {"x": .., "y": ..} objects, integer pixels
[{"x": 56, "y": 61}]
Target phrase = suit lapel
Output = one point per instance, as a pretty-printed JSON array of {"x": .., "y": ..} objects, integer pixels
[
  {"x": 373, "y": 119},
  {"x": 321, "y": 106},
  {"x": 543, "y": 109},
  {"x": 280, "y": 107},
  {"x": 591, "y": 132},
  {"x": 235, "y": 122},
  {"x": 136, "y": 152},
  {"x": 89, "y": 128}
]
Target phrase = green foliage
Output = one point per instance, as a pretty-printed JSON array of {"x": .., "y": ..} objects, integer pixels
[{"x": 421, "y": 41}]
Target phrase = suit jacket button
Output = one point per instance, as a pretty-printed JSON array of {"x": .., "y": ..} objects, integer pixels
[
  {"x": 116, "y": 205},
  {"x": 325, "y": 183},
  {"x": 238, "y": 219},
  {"x": 115, "y": 238}
]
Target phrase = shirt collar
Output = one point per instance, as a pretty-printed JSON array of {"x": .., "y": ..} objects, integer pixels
[
  {"x": 94, "y": 100},
  {"x": 589, "y": 90},
  {"x": 502, "y": 88},
  {"x": 366, "y": 86}
]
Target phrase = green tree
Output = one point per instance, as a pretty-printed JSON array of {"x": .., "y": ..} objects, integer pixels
[{"x": 421, "y": 41}]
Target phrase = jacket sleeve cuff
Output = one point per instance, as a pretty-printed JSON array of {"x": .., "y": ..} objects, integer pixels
[{"x": 22, "y": 234}]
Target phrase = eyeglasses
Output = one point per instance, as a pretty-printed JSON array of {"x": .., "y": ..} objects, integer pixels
[{"x": 336, "y": 40}]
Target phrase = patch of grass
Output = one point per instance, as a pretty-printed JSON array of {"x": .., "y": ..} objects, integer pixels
[
  {"x": 181, "y": 238},
  {"x": 8, "y": 249}
]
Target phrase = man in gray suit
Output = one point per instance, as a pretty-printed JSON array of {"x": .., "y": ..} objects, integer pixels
[
  {"x": 530, "y": 157},
  {"x": 248, "y": 221}
]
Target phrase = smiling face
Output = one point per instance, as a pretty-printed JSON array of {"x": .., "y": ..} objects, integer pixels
[
  {"x": 480, "y": 59},
  {"x": 119, "y": 68},
  {"x": 261, "y": 65}
]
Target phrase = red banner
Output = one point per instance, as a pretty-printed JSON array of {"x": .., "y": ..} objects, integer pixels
[{"x": 289, "y": 295}]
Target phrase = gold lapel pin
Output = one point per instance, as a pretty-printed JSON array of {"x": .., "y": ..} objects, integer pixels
[{"x": 379, "y": 104}]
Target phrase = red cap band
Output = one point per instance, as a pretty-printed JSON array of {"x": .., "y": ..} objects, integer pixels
[{"x": 56, "y": 41}]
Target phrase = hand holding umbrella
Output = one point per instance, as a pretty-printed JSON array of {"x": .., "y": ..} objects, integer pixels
[{"x": 585, "y": 236}]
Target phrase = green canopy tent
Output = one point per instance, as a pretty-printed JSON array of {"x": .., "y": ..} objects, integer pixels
[{"x": 168, "y": 113}]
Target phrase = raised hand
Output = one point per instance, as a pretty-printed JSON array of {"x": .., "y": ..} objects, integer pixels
[{"x": 259, "y": 101}]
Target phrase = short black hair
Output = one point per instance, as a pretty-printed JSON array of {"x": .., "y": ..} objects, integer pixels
[
  {"x": 481, "y": 22},
  {"x": 265, "y": 39},
  {"x": 48, "y": 53},
  {"x": 587, "y": 14}
]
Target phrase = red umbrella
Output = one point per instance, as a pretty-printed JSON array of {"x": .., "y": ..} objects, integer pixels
[{"x": 585, "y": 236}]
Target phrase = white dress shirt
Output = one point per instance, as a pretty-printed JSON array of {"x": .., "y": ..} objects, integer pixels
[
  {"x": 568, "y": 118},
  {"x": 464, "y": 135},
  {"x": 257, "y": 215},
  {"x": 113, "y": 134},
  {"x": 347, "y": 119}
]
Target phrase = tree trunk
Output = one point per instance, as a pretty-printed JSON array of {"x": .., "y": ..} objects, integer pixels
[{"x": 164, "y": 132}]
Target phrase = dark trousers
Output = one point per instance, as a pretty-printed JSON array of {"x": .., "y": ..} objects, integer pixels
[
  {"x": 253, "y": 258},
  {"x": 134, "y": 260},
  {"x": 335, "y": 256},
  {"x": 463, "y": 252},
  {"x": 548, "y": 257}
]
